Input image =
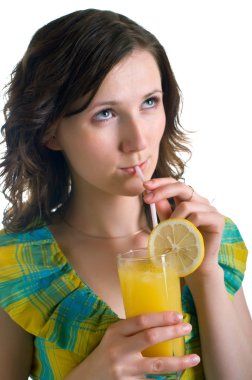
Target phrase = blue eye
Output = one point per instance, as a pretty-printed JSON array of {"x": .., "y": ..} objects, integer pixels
[
  {"x": 150, "y": 102},
  {"x": 104, "y": 115}
]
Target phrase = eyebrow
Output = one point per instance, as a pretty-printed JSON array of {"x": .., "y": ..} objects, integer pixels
[{"x": 115, "y": 102}]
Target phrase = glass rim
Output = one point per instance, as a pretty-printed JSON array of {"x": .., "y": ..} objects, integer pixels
[{"x": 123, "y": 256}]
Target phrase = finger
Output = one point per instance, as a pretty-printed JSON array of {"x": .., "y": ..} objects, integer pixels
[
  {"x": 177, "y": 190},
  {"x": 161, "y": 365},
  {"x": 164, "y": 209},
  {"x": 211, "y": 222},
  {"x": 154, "y": 183},
  {"x": 145, "y": 321},
  {"x": 185, "y": 209},
  {"x": 155, "y": 335},
  {"x": 167, "y": 190}
]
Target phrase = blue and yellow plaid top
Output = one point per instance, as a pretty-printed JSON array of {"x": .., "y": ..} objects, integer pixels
[{"x": 41, "y": 292}]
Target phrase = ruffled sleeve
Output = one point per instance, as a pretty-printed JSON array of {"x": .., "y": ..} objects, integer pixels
[
  {"x": 30, "y": 285},
  {"x": 43, "y": 294},
  {"x": 232, "y": 257}
]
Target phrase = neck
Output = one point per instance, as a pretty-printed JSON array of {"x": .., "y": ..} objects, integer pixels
[{"x": 106, "y": 215}]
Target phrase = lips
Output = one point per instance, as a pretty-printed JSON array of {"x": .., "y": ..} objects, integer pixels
[{"x": 132, "y": 170}]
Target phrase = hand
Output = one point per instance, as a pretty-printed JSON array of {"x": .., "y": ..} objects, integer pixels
[
  {"x": 191, "y": 206},
  {"x": 118, "y": 356}
]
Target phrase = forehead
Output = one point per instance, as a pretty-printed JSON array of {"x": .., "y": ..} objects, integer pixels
[
  {"x": 136, "y": 75},
  {"x": 136, "y": 58},
  {"x": 136, "y": 72}
]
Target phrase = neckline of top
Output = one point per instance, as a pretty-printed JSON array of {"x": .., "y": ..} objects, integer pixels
[{"x": 63, "y": 256}]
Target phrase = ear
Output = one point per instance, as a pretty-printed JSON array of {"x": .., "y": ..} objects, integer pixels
[
  {"x": 50, "y": 139},
  {"x": 52, "y": 143}
]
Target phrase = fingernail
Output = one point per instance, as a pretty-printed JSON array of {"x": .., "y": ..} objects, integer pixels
[
  {"x": 195, "y": 359},
  {"x": 148, "y": 195},
  {"x": 177, "y": 317},
  {"x": 186, "y": 327}
]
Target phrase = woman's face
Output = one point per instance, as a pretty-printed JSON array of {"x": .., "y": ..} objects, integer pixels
[{"x": 122, "y": 127}]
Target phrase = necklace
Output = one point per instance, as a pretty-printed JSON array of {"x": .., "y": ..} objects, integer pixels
[{"x": 103, "y": 237}]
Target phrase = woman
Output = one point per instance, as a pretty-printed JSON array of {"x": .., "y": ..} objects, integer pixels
[{"x": 93, "y": 97}]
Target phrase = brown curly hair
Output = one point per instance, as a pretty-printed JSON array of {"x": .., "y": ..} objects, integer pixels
[{"x": 65, "y": 60}]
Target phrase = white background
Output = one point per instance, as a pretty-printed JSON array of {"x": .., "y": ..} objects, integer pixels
[{"x": 209, "y": 47}]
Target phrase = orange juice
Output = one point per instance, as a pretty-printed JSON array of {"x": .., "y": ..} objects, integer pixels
[{"x": 151, "y": 285}]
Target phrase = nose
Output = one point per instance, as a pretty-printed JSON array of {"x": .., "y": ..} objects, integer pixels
[{"x": 133, "y": 135}]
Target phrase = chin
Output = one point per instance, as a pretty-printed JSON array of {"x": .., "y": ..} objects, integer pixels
[{"x": 133, "y": 191}]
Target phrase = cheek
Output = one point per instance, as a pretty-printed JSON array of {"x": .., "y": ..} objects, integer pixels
[
  {"x": 158, "y": 130},
  {"x": 162, "y": 125},
  {"x": 86, "y": 155}
]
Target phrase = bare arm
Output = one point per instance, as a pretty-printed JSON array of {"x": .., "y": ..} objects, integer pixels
[
  {"x": 16, "y": 347},
  {"x": 241, "y": 308},
  {"x": 225, "y": 329}
]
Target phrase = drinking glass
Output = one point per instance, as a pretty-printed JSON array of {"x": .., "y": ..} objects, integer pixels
[{"x": 150, "y": 284}]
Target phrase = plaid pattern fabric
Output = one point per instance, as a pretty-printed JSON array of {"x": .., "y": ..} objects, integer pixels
[{"x": 41, "y": 292}]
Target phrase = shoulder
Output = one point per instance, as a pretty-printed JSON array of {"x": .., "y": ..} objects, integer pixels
[
  {"x": 24, "y": 248},
  {"x": 231, "y": 233},
  {"x": 233, "y": 249},
  {"x": 32, "y": 236},
  {"x": 34, "y": 276},
  {"x": 232, "y": 256}
]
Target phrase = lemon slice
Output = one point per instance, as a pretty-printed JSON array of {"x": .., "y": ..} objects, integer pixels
[{"x": 182, "y": 239}]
